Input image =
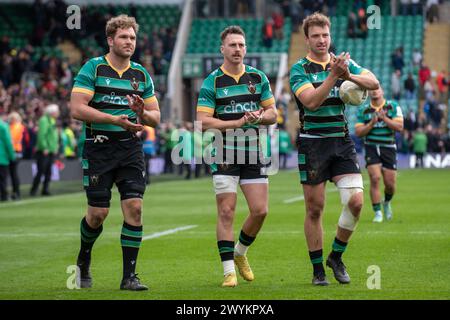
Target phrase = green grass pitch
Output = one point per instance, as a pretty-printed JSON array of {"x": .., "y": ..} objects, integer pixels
[{"x": 39, "y": 239}]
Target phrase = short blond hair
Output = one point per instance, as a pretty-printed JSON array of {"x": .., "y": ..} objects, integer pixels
[
  {"x": 14, "y": 116},
  {"x": 120, "y": 22},
  {"x": 316, "y": 19}
]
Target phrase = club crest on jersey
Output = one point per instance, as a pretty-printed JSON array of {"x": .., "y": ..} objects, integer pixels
[
  {"x": 251, "y": 87},
  {"x": 134, "y": 84}
]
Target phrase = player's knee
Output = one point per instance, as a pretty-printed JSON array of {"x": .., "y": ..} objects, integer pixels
[
  {"x": 99, "y": 197},
  {"x": 375, "y": 179},
  {"x": 314, "y": 211},
  {"x": 356, "y": 203},
  {"x": 96, "y": 216},
  {"x": 259, "y": 212},
  {"x": 226, "y": 214},
  {"x": 134, "y": 210},
  {"x": 351, "y": 192}
]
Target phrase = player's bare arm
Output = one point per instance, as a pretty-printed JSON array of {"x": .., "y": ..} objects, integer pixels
[
  {"x": 312, "y": 98},
  {"x": 80, "y": 110},
  {"x": 209, "y": 122},
  {"x": 366, "y": 80},
  {"x": 148, "y": 114},
  {"x": 394, "y": 124}
]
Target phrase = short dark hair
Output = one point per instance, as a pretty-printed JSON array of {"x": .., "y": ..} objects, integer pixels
[{"x": 231, "y": 30}]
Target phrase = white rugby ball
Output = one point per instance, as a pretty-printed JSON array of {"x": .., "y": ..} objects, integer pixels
[{"x": 351, "y": 93}]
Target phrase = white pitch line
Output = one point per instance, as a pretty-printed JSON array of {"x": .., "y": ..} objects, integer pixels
[
  {"x": 109, "y": 234},
  {"x": 37, "y": 200},
  {"x": 164, "y": 233}
]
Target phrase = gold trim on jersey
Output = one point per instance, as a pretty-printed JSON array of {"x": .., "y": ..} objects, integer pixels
[
  {"x": 83, "y": 90},
  {"x": 303, "y": 88},
  {"x": 119, "y": 72},
  {"x": 236, "y": 77},
  {"x": 150, "y": 100},
  {"x": 378, "y": 108},
  {"x": 323, "y": 64},
  {"x": 205, "y": 109},
  {"x": 267, "y": 102}
]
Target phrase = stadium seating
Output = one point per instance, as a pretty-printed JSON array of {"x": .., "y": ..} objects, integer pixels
[
  {"x": 344, "y": 6},
  {"x": 375, "y": 51},
  {"x": 204, "y": 36},
  {"x": 149, "y": 17},
  {"x": 17, "y": 23}
]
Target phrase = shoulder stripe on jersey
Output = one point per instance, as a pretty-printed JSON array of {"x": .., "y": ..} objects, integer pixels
[
  {"x": 267, "y": 102},
  {"x": 205, "y": 109},
  {"x": 150, "y": 100},
  {"x": 83, "y": 90},
  {"x": 303, "y": 88}
]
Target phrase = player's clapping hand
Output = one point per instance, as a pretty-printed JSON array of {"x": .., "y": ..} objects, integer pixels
[
  {"x": 382, "y": 115},
  {"x": 123, "y": 121},
  {"x": 254, "y": 117},
  {"x": 136, "y": 104},
  {"x": 374, "y": 119},
  {"x": 339, "y": 65}
]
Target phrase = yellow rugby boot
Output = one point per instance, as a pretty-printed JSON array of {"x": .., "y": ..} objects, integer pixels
[
  {"x": 244, "y": 268},
  {"x": 230, "y": 280}
]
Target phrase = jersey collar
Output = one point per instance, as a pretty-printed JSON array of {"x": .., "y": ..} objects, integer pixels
[
  {"x": 119, "y": 72},
  {"x": 236, "y": 77},
  {"x": 377, "y": 108},
  {"x": 323, "y": 64}
]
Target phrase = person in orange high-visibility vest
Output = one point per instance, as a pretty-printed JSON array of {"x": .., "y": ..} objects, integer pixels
[
  {"x": 17, "y": 130},
  {"x": 148, "y": 137}
]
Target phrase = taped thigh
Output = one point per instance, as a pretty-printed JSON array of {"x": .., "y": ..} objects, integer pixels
[{"x": 225, "y": 183}]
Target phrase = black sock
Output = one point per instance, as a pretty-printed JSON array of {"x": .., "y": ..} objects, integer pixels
[
  {"x": 316, "y": 260},
  {"x": 130, "y": 240},
  {"x": 338, "y": 248},
  {"x": 88, "y": 237},
  {"x": 226, "y": 249},
  {"x": 245, "y": 239},
  {"x": 376, "y": 207},
  {"x": 388, "y": 197}
]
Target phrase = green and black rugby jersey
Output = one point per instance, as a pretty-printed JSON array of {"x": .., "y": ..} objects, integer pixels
[
  {"x": 380, "y": 134},
  {"x": 108, "y": 88},
  {"x": 329, "y": 119},
  {"x": 228, "y": 97}
]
